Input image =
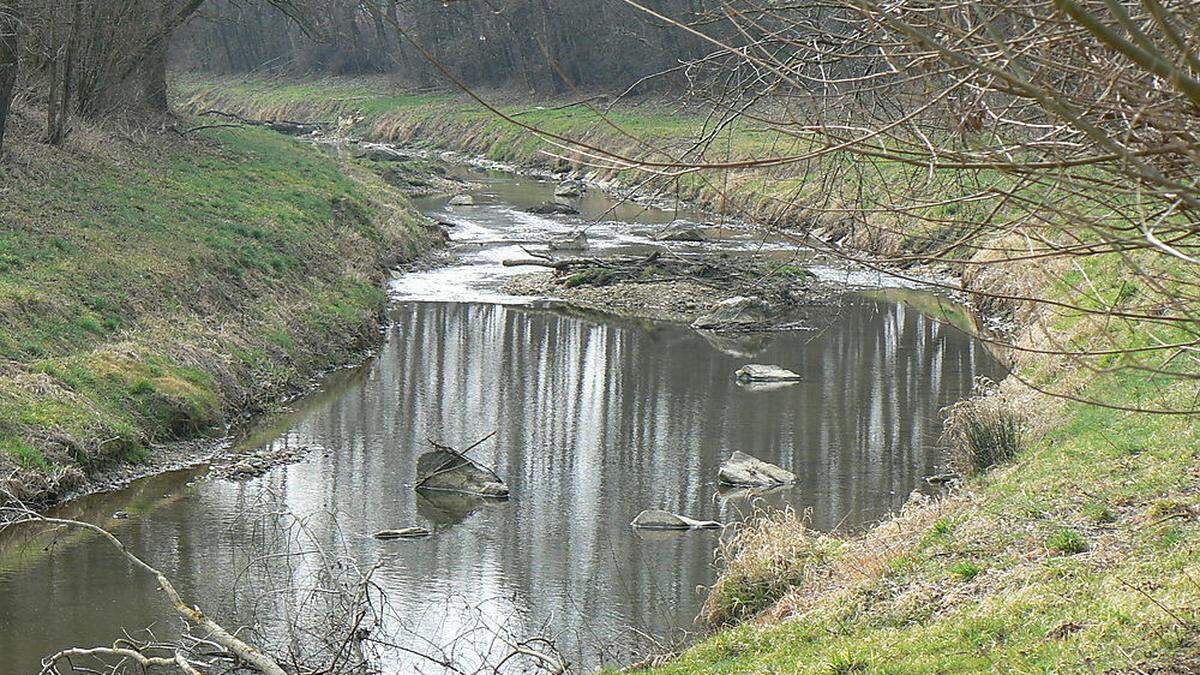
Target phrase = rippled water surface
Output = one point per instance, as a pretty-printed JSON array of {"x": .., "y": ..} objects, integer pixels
[{"x": 595, "y": 419}]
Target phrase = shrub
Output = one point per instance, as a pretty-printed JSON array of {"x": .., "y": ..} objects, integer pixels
[
  {"x": 982, "y": 431},
  {"x": 772, "y": 554}
]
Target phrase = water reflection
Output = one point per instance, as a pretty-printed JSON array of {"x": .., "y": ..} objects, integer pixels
[{"x": 595, "y": 421}]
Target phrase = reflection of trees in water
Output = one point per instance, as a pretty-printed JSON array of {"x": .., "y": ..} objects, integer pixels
[{"x": 595, "y": 422}]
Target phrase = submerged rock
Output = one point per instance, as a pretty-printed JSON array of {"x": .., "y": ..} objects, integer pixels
[
  {"x": 570, "y": 188},
  {"x": 461, "y": 200},
  {"x": 574, "y": 242},
  {"x": 452, "y": 472},
  {"x": 737, "y": 313},
  {"x": 682, "y": 230},
  {"x": 656, "y": 519},
  {"x": 554, "y": 209},
  {"x": 746, "y": 471},
  {"x": 757, "y": 372},
  {"x": 402, "y": 533}
]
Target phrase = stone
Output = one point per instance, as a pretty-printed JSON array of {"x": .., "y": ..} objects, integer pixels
[
  {"x": 681, "y": 230},
  {"x": 451, "y": 472},
  {"x": 570, "y": 188},
  {"x": 402, "y": 533},
  {"x": 736, "y": 313},
  {"x": 554, "y": 209},
  {"x": 657, "y": 519},
  {"x": 943, "y": 479},
  {"x": 461, "y": 200},
  {"x": 747, "y": 471},
  {"x": 574, "y": 242},
  {"x": 757, "y": 372},
  {"x": 382, "y": 153}
]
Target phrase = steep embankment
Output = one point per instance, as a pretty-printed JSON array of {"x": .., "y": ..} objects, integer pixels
[
  {"x": 155, "y": 287},
  {"x": 1074, "y": 548}
]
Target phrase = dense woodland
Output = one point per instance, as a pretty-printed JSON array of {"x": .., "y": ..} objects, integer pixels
[{"x": 544, "y": 46}]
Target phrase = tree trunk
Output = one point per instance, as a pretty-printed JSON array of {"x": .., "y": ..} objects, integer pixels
[
  {"x": 154, "y": 68},
  {"x": 9, "y": 60}
]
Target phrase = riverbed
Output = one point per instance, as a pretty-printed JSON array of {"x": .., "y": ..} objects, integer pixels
[{"x": 596, "y": 417}]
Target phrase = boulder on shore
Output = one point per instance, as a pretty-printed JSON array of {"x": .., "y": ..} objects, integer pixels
[
  {"x": 747, "y": 471},
  {"x": 402, "y": 533},
  {"x": 450, "y": 471},
  {"x": 657, "y": 519},
  {"x": 553, "y": 209},
  {"x": 461, "y": 200},
  {"x": 574, "y": 242},
  {"x": 736, "y": 313},
  {"x": 682, "y": 230},
  {"x": 757, "y": 372},
  {"x": 570, "y": 188}
]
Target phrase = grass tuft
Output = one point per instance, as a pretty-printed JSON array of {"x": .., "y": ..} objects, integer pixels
[
  {"x": 1067, "y": 541},
  {"x": 982, "y": 431},
  {"x": 771, "y": 554}
]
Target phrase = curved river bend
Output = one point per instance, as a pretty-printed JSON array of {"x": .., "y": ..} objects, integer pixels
[{"x": 596, "y": 419}]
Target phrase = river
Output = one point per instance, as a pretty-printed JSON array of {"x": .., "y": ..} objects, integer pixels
[{"x": 596, "y": 418}]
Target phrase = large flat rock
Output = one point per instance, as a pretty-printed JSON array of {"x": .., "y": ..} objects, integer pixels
[
  {"x": 757, "y": 372},
  {"x": 748, "y": 471}
]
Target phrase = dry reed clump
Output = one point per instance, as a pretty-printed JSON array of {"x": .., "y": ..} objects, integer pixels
[
  {"x": 867, "y": 558},
  {"x": 772, "y": 553},
  {"x": 984, "y": 430},
  {"x": 1005, "y": 282}
]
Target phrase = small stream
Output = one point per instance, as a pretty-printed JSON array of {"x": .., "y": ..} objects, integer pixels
[{"x": 596, "y": 418}]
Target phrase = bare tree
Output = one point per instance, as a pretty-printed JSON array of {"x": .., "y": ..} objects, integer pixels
[{"x": 10, "y": 26}]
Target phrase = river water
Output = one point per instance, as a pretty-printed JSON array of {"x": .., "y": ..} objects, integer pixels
[{"x": 595, "y": 419}]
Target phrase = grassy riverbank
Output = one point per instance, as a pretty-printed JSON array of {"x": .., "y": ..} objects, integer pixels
[
  {"x": 154, "y": 287},
  {"x": 805, "y": 196},
  {"x": 1076, "y": 554}
]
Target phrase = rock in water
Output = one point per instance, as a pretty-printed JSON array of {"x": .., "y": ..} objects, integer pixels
[
  {"x": 746, "y": 471},
  {"x": 682, "y": 230},
  {"x": 569, "y": 188},
  {"x": 756, "y": 372},
  {"x": 736, "y": 313},
  {"x": 382, "y": 153},
  {"x": 575, "y": 242},
  {"x": 656, "y": 519},
  {"x": 402, "y": 533},
  {"x": 461, "y": 200},
  {"x": 452, "y": 472},
  {"x": 554, "y": 209}
]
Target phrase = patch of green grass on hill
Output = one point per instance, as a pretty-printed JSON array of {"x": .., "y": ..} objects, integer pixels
[{"x": 149, "y": 288}]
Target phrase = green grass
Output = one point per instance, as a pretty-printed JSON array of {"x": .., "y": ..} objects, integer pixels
[{"x": 149, "y": 289}]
